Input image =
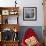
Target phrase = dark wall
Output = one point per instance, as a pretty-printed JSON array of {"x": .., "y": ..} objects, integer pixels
[{"x": 37, "y": 29}]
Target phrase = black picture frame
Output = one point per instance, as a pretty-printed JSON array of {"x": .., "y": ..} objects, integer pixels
[{"x": 29, "y": 13}]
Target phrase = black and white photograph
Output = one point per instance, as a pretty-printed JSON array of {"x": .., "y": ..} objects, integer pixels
[{"x": 29, "y": 13}]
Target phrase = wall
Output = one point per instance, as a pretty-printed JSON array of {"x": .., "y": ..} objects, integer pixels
[
  {"x": 29, "y": 3},
  {"x": 26, "y": 3}
]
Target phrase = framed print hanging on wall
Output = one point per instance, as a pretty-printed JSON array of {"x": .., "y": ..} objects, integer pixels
[{"x": 29, "y": 13}]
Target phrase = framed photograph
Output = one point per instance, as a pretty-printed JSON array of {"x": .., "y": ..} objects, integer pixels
[
  {"x": 5, "y": 12},
  {"x": 29, "y": 13},
  {"x": 12, "y": 12}
]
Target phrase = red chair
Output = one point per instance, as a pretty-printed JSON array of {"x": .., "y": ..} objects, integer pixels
[{"x": 29, "y": 33}]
